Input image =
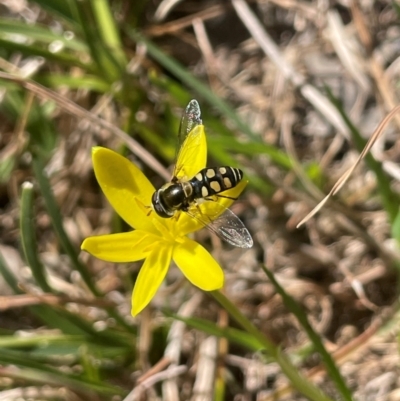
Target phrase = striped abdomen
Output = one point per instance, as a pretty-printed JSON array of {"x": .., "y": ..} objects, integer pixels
[{"x": 212, "y": 181}]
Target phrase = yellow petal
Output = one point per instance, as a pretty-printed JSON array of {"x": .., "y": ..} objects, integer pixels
[
  {"x": 211, "y": 209},
  {"x": 122, "y": 182},
  {"x": 122, "y": 247},
  {"x": 150, "y": 277},
  {"x": 192, "y": 156},
  {"x": 199, "y": 267}
]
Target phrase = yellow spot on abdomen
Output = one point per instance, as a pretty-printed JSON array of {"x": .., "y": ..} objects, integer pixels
[
  {"x": 204, "y": 191},
  {"x": 199, "y": 177},
  {"x": 215, "y": 186},
  {"x": 210, "y": 173},
  {"x": 222, "y": 170},
  {"x": 227, "y": 182}
]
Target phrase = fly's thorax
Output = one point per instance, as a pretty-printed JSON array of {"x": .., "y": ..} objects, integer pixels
[
  {"x": 170, "y": 198},
  {"x": 213, "y": 180}
]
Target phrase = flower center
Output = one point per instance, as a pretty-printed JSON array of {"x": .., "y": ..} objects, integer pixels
[{"x": 168, "y": 230}]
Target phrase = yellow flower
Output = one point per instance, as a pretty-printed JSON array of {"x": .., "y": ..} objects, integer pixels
[{"x": 155, "y": 239}]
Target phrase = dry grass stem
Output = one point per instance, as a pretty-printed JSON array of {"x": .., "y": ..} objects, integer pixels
[{"x": 345, "y": 177}]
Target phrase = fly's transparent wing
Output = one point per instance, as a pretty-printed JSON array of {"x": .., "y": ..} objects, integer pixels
[
  {"x": 189, "y": 138},
  {"x": 222, "y": 222},
  {"x": 230, "y": 228},
  {"x": 191, "y": 118}
]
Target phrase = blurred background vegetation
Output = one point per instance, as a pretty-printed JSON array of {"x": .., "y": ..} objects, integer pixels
[{"x": 290, "y": 91}]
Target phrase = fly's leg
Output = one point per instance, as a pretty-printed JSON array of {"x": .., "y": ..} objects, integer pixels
[
  {"x": 226, "y": 197},
  {"x": 203, "y": 218},
  {"x": 145, "y": 208},
  {"x": 176, "y": 216},
  {"x": 213, "y": 197}
]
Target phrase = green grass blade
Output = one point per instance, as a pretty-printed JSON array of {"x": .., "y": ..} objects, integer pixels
[
  {"x": 91, "y": 370},
  {"x": 39, "y": 33},
  {"x": 74, "y": 324},
  {"x": 29, "y": 244},
  {"x": 66, "y": 9},
  {"x": 108, "y": 29},
  {"x": 328, "y": 361},
  {"x": 8, "y": 276},
  {"x": 232, "y": 335},
  {"x": 395, "y": 228},
  {"x": 299, "y": 382},
  {"x": 41, "y": 341},
  {"x": 44, "y": 373},
  {"x": 33, "y": 50},
  {"x": 109, "y": 66},
  {"x": 89, "y": 82},
  {"x": 45, "y": 345},
  {"x": 64, "y": 321},
  {"x": 7, "y": 165},
  {"x": 56, "y": 218}
]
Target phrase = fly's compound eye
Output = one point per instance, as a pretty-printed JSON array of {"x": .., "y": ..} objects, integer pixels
[{"x": 158, "y": 206}]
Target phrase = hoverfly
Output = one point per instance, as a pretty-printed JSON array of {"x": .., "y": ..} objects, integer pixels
[{"x": 189, "y": 194}]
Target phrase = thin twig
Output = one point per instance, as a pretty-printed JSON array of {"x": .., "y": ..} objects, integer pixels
[
  {"x": 172, "y": 371},
  {"x": 343, "y": 179}
]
